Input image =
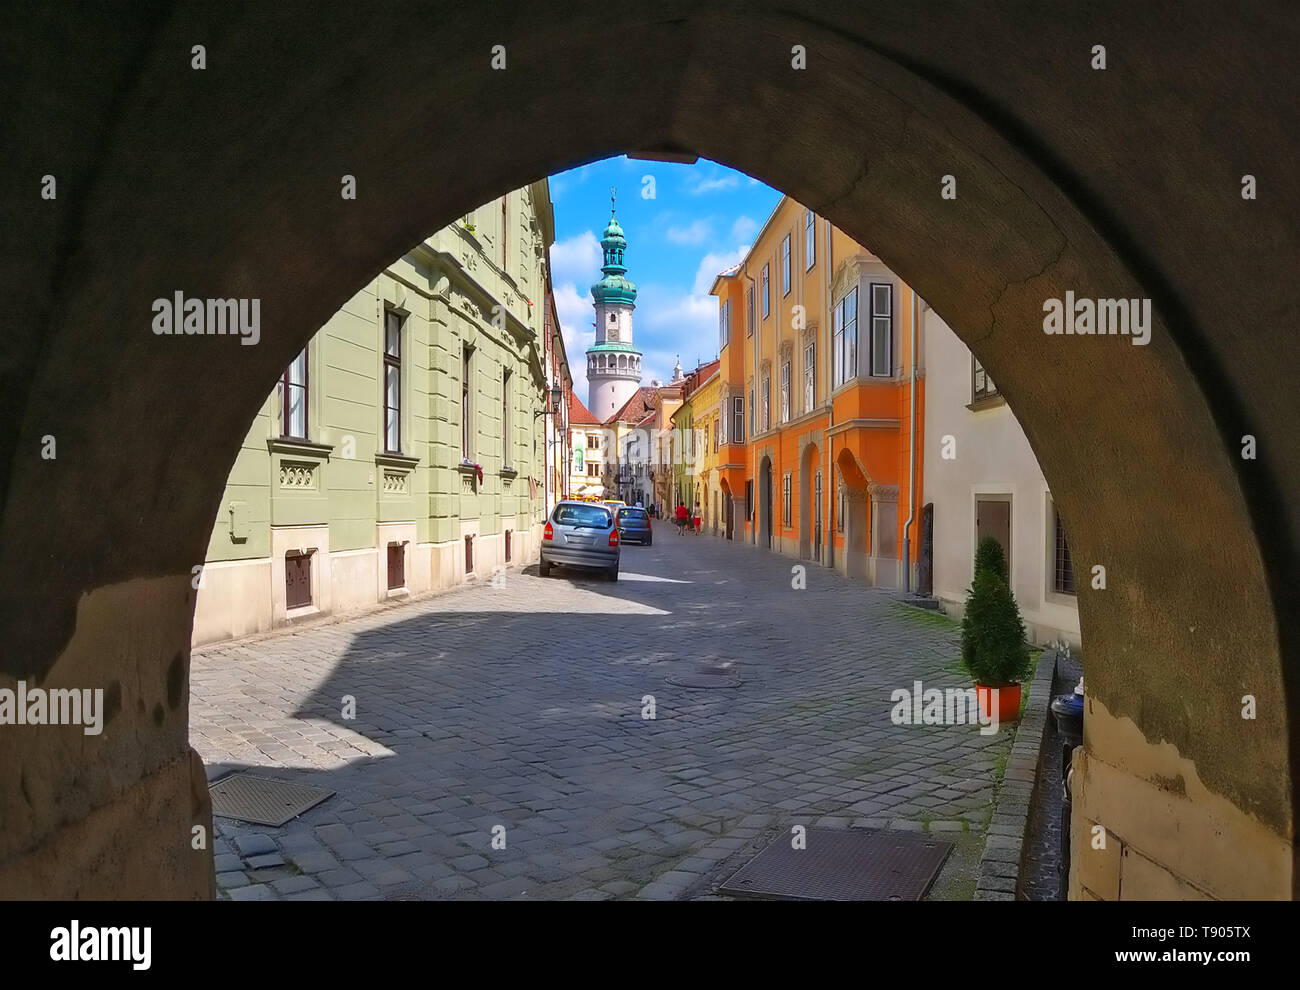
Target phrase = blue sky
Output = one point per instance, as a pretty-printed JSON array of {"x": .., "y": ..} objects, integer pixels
[{"x": 702, "y": 218}]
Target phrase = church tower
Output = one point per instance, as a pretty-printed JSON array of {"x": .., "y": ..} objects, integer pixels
[{"x": 613, "y": 364}]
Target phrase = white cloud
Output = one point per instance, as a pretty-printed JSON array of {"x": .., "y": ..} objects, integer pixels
[
  {"x": 713, "y": 263},
  {"x": 701, "y": 187},
  {"x": 696, "y": 233},
  {"x": 575, "y": 314},
  {"x": 576, "y": 259},
  {"x": 743, "y": 228}
]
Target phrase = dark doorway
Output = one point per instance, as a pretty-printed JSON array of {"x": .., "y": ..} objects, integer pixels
[
  {"x": 396, "y": 566},
  {"x": 297, "y": 579},
  {"x": 993, "y": 518},
  {"x": 765, "y": 509},
  {"x": 925, "y": 579}
]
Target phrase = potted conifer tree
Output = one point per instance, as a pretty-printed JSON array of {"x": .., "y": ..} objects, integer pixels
[{"x": 993, "y": 649}]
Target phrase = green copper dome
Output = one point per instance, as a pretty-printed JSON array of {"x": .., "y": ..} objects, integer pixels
[{"x": 615, "y": 287}]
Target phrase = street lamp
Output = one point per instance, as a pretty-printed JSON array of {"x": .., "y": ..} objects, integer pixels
[{"x": 553, "y": 396}]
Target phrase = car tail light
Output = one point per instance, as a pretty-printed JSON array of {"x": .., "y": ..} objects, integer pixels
[
  {"x": 613, "y": 537},
  {"x": 548, "y": 533}
]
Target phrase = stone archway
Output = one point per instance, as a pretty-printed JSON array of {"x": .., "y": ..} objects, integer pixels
[
  {"x": 763, "y": 494},
  {"x": 156, "y": 195},
  {"x": 855, "y": 557},
  {"x": 809, "y": 466}
]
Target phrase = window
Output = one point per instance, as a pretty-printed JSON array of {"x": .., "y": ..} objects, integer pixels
[
  {"x": 786, "y": 511},
  {"x": 809, "y": 240},
  {"x": 579, "y": 514},
  {"x": 767, "y": 402},
  {"x": 767, "y": 292},
  {"x": 297, "y": 579},
  {"x": 716, "y": 427},
  {"x": 785, "y": 265},
  {"x": 1063, "y": 569},
  {"x": 396, "y": 566},
  {"x": 752, "y": 429},
  {"x": 785, "y": 391},
  {"x": 724, "y": 323},
  {"x": 981, "y": 384},
  {"x": 593, "y": 470},
  {"x": 466, "y": 405},
  {"x": 593, "y": 441},
  {"x": 507, "y": 424},
  {"x": 882, "y": 330},
  {"x": 503, "y": 238},
  {"x": 392, "y": 382},
  {"x": 809, "y": 377},
  {"x": 738, "y": 419},
  {"x": 844, "y": 340},
  {"x": 293, "y": 398},
  {"x": 749, "y": 309}
]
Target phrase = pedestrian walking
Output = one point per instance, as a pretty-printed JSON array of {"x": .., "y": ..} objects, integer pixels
[
  {"x": 697, "y": 519},
  {"x": 680, "y": 515}
]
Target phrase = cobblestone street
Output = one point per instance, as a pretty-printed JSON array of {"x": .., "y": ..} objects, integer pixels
[{"x": 521, "y": 706}]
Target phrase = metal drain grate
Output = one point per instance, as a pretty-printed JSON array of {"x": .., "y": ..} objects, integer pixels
[
  {"x": 261, "y": 800},
  {"x": 840, "y": 865}
]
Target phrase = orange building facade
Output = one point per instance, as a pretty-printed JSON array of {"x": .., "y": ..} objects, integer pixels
[{"x": 817, "y": 456}]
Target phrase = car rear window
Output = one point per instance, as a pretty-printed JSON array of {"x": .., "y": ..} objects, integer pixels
[
  {"x": 632, "y": 514},
  {"x": 582, "y": 515}
]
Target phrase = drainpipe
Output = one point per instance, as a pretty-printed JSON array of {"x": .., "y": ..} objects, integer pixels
[
  {"x": 830, "y": 406},
  {"x": 749, "y": 446},
  {"x": 911, "y": 460}
]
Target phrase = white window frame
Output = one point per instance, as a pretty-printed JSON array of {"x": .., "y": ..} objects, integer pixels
[
  {"x": 882, "y": 323},
  {"x": 785, "y": 391},
  {"x": 809, "y": 240},
  {"x": 810, "y": 376},
  {"x": 786, "y": 248}
]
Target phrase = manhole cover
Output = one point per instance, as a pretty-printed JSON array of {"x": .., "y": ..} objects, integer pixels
[
  {"x": 261, "y": 800},
  {"x": 703, "y": 681},
  {"x": 843, "y": 865}
]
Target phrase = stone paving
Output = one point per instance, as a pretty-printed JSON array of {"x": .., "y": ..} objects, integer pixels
[{"x": 518, "y": 711}]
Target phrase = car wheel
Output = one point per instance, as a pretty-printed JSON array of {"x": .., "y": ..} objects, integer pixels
[
  {"x": 544, "y": 568},
  {"x": 612, "y": 573},
  {"x": 649, "y": 540}
]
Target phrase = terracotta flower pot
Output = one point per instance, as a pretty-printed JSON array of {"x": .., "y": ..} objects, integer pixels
[{"x": 1007, "y": 700}]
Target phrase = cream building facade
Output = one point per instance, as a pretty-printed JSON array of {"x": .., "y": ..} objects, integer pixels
[{"x": 982, "y": 478}]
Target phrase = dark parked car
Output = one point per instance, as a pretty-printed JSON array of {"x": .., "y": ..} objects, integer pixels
[
  {"x": 580, "y": 534},
  {"x": 634, "y": 524}
]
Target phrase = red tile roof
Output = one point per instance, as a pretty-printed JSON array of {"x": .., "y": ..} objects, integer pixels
[
  {"x": 635, "y": 408},
  {"x": 579, "y": 414}
]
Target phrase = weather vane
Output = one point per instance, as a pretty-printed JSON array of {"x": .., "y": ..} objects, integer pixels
[{"x": 612, "y": 191}]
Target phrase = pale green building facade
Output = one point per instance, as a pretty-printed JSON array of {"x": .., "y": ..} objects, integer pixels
[{"x": 402, "y": 452}]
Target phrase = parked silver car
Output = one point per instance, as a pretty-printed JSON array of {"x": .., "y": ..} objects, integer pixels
[{"x": 580, "y": 534}]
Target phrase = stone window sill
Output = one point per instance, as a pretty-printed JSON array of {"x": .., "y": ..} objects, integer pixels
[
  {"x": 300, "y": 448},
  {"x": 986, "y": 402}
]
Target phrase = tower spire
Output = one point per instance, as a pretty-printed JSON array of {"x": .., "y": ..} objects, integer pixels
[{"x": 613, "y": 190}]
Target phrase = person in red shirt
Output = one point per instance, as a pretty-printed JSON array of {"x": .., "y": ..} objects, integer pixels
[{"x": 680, "y": 514}]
